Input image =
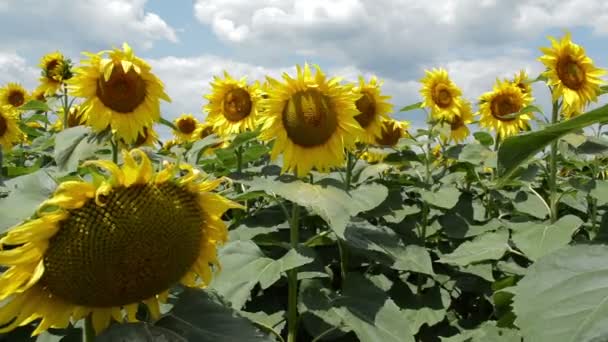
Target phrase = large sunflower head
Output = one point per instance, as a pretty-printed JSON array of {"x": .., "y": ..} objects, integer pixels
[
  {"x": 312, "y": 119},
  {"x": 10, "y": 133},
  {"x": 497, "y": 109},
  {"x": 120, "y": 92},
  {"x": 14, "y": 95},
  {"x": 186, "y": 124},
  {"x": 392, "y": 131},
  {"x": 233, "y": 104},
  {"x": 572, "y": 74},
  {"x": 373, "y": 107},
  {"x": 440, "y": 94},
  {"x": 102, "y": 248},
  {"x": 55, "y": 70},
  {"x": 458, "y": 126}
]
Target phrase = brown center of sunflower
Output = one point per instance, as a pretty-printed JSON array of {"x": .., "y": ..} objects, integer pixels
[
  {"x": 503, "y": 105},
  {"x": 442, "y": 96},
  {"x": 144, "y": 240},
  {"x": 205, "y": 132},
  {"x": 237, "y": 104},
  {"x": 122, "y": 92},
  {"x": 141, "y": 138},
  {"x": 16, "y": 98},
  {"x": 186, "y": 125},
  {"x": 367, "y": 106},
  {"x": 570, "y": 73},
  {"x": 391, "y": 134},
  {"x": 3, "y": 125},
  {"x": 309, "y": 118}
]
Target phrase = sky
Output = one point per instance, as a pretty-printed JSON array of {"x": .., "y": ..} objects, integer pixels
[{"x": 189, "y": 42}]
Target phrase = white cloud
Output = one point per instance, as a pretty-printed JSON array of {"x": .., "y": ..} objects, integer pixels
[
  {"x": 14, "y": 68},
  {"x": 74, "y": 24}
]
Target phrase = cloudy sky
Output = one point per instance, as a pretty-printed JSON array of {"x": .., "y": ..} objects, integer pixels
[{"x": 188, "y": 42}]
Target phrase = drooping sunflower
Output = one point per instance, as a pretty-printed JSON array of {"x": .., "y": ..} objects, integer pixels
[
  {"x": 10, "y": 133},
  {"x": 373, "y": 107},
  {"x": 102, "y": 248},
  {"x": 312, "y": 119},
  {"x": 458, "y": 126},
  {"x": 497, "y": 106},
  {"x": 120, "y": 92},
  {"x": 38, "y": 94},
  {"x": 522, "y": 81},
  {"x": 392, "y": 131},
  {"x": 53, "y": 67},
  {"x": 233, "y": 105},
  {"x": 14, "y": 95},
  {"x": 186, "y": 125},
  {"x": 440, "y": 94},
  {"x": 572, "y": 75},
  {"x": 76, "y": 117}
]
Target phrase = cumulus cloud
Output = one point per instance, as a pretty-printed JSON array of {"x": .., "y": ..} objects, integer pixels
[
  {"x": 14, "y": 68},
  {"x": 72, "y": 25}
]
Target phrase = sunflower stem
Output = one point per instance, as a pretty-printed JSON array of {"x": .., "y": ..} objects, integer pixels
[
  {"x": 1, "y": 168},
  {"x": 66, "y": 108},
  {"x": 89, "y": 331},
  {"x": 114, "y": 151},
  {"x": 350, "y": 164},
  {"x": 553, "y": 199},
  {"x": 292, "y": 278},
  {"x": 239, "y": 159}
]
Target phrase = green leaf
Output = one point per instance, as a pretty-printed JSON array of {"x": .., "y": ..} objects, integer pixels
[
  {"x": 484, "y": 138},
  {"x": 138, "y": 332},
  {"x": 429, "y": 308},
  {"x": 71, "y": 148},
  {"x": 475, "y": 154},
  {"x": 446, "y": 197},
  {"x": 193, "y": 154},
  {"x": 200, "y": 316},
  {"x": 539, "y": 240},
  {"x": 529, "y": 203},
  {"x": 486, "y": 332},
  {"x": 243, "y": 138},
  {"x": 593, "y": 145},
  {"x": 26, "y": 194},
  {"x": 413, "y": 106},
  {"x": 244, "y": 265},
  {"x": 35, "y": 105},
  {"x": 363, "y": 235},
  {"x": 488, "y": 246},
  {"x": 564, "y": 296},
  {"x": 600, "y": 192},
  {"x": 332, "y": 203},
  {"x": 517, "y": 149}
]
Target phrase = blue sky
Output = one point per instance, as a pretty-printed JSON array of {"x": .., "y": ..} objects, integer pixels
[{"x": 187, "y": 42}]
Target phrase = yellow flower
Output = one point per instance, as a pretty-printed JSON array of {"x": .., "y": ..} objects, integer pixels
[
  {"x": 458, "y": 127},
  {"x": 312, "y": 119},
  {"x": 10, "y": 133},
  {"x": 53, "y": 66},
  {"x": 148, "y": 138},
  {"x": 186, "y": 125},
  {"x": 102, "y": 248},
  {"x": 75, "y": 118},
  {"x": 440, "y": 94},
  {"x": 14, "y": 95},
  {"x": 204, "y": 130},
  {"x": 392, "y": 131},
  {"x": 572, "y": 75},
  {"x": 521, "y": 80},
  {"x": 233, "y": 105},
  {"x": 38, "y": 94},
  {"x": 497, "y": 106},
  {"x": 119, "y": 91},
  {"x": 373, "y": 107}
]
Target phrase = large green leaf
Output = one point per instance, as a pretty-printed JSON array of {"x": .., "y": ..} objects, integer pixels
[
  {"x": 445, "y": 197},
  {"x": 72, "y": 147},
  {"x": 26, "y": 194},
  {"x": 488, "y": 246},
  {"x": 517, "y": 149},
  {"x": 327, "y": 200},
  {"x": 600, "y": 192},
  {"x": 538, "y": 239},
  {"x": 201, "y": 316},
  {"x": 486, "y": 332},
  {"x": 244, "y": 265},
  {"x": 135, "y": 332},
  {"x": 363, "y": 235},
  {"x": 564, "y": 296}
]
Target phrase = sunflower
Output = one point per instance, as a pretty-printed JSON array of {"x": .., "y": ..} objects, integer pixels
[
  {"x": 204, "y": 130},
  {"x": 497, "y": 106},
  {"x": 572, "y": 75},
  {"x": 312, "y": 119},
  {"x": 186, "y": 125},
  {"x": 10, "y": 133},
  {"x": 38, "y": 94},
  {"x": 440, "y": 94},
  {"x": 522, "y": 81},
  {"x": 14, "y": 95},
  {"x": 392, "y": 130},
  {"x": 458, "y": 126},
  {"x": 233, "y": 105},
  {"x": 119, "y": 91},
  {"x": 76, "y": 117},
  {"x": 148, "y": 138},
  {"x": 53, "y": 67},
  {"x": 103, "y": 247},
  {"x": 373, "y": 107}
]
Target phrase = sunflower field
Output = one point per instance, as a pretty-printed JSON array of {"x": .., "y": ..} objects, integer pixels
[{"x": 300, "y": 209}]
